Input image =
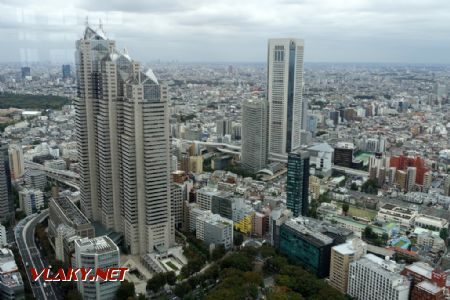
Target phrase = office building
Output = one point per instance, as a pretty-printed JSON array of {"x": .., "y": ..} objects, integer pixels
[
  {"x": 6, "y": 200},
  {"x": 36, "y": 179},
  {"x": 31, "y": 200},
  {"x": 341, "y": 257},
  {"x": 374, "y": 278},
  {"x": 97, "y": 253},
  {"x": 25, "y": 72},
  {"x": 298, "y": 183},
  {"x": 287, "y": 110},
  {"x": 64, "y": 211},
  {"x": 123, "y": 144},
  {"x": 66, "y": 71},
  {"x": 309, "y": 242},
  {"x": 223, "y": 205},
  {"x": 343, "y": 154},
  {"x": 16, "y": 161},
  {"x": 223, "y": 126},
  {"x": 254, "y": 134}
]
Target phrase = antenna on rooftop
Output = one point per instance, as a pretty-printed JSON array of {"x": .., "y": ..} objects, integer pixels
[
  {"x": 100, "y": 24},
  {"x": 86, "y": 22}
]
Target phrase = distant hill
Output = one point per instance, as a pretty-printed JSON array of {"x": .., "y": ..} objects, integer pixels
[{"x": 32, "y": 102}]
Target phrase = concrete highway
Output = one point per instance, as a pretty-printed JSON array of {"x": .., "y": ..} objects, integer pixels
[{"x": 31, "y": 256}]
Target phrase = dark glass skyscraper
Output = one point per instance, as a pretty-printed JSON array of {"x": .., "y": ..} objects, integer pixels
[
  {"x": 298, "y": 182},
  {"x": 65, "y": 71}
]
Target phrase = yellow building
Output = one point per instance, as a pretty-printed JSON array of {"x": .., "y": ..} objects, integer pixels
[
  {"x": 341, "y": 257},
  {"x": 196, "y": 164},
  {"x": 314, "y": 187},
  {"x": 245, "y": 224}
]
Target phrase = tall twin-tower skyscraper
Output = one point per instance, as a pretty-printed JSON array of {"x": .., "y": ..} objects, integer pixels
[
  {"x": 287, "y": 110},
  {"x": 123, "y": 135},
  {"x": 123, "y": 144}
]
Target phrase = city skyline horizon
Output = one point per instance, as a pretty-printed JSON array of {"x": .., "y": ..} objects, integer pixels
[{"x": 339, "y": 32}]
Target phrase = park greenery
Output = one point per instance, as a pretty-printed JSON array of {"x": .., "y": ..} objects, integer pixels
[
  {"x": 241, "y": 275},
  {"x": 370, "y": 187},
  {"x": 373, "y": 238},
  {"x": 37, "y": 102}
]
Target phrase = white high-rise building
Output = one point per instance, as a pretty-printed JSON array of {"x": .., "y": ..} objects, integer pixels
[
  {"x": 287, "y": 110},
  {"x": 123, "y": 144},
  {"x": 411, "y": 173},
  {"x": 97, "y": 253},
  {"x": 31, "y": 200},
  {"x": 254, "y": 134},
  {"x": 373, "y": 278}
]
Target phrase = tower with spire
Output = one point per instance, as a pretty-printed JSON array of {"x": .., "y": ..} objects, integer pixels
[{"x": 123, "y": 144}]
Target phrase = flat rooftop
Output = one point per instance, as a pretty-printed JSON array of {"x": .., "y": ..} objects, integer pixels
[{"x": 71, "y": 211}]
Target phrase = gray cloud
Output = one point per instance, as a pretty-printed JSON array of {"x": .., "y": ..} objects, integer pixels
[{"x": 233, "y": 30}]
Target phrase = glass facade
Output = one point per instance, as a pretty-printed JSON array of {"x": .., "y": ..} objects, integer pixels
[
  {"x": 306, "y": 250},
  {"x": 298, "y": 183}
]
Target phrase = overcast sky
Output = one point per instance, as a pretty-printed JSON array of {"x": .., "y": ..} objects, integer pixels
[{"x": 413, "y": 31}]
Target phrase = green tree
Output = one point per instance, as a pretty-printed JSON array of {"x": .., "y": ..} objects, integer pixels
[
  {"x": 354, "y": 187},
  {"x": 218, "y": 252},
  {"x": 171, "y": 278},
  {"x": 345, "y": 208},
  {"x": 238, "y": 238},
  {"x": 156, "y": 282},
  {"x": 237, "y": 261},
  {"x": 125, "y": 290}
]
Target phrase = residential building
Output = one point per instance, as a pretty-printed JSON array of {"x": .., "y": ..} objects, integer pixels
[
  {"x": 97, "y": 253},
  {"x": 31, "y": 200},
  {"x": 287, "y": 109},
  {"x": 374, "y": 278},
  {"x": 298, "y": 183},
  {"x": 341, "y": 257},
  {"x": 214, "y": 229},
  {"x": 205, "y": 196},
  {"x": 254, "y": 134}
]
